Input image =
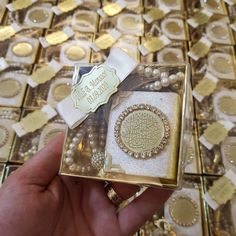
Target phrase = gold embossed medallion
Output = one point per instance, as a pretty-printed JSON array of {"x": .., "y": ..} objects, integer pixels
[
  {"x": 171, "y": 57},
  {"x": 222, "y": 65},
  {"x": 61, "y": 91},
  {"x": 227, "y": 105},
  {"x": 142, "y": 131},
  {"x": 9, "y": 88},
  {"x": 174, "y": 28},
  {"x": 129, "y": 22},
  {"x": 75, "y": 53},
  {"x": 4, "y": 134},
  {"x": 183, "y": 211},
  {"x": 51, "y": 135},
  {"x": 38, "y": 15},
  {"x": 22, "y": 49}
]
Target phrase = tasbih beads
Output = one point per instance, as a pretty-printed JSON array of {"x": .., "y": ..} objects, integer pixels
[{"x": 163, "y": 79}]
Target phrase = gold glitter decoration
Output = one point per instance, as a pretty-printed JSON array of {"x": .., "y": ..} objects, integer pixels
[
  {"x": 61, "y": 91},
  {"x": 22, "y": 49},
  {"x": 174, "y": 28},
  {"x": 184, "y": 211},
  {"x": 227, "y": 105},
  {"x": 9, "y": 88},
  {"x": 75, "y": 53},
  {"x": 142, "y": 131},
  {"x": 4, "y": 134},
  {"x": 51, "y": 135},
  {"x": 222, "y": 65},
  {"x": 38, "y": 15}
]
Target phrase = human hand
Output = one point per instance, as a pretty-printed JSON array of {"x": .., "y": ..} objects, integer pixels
[{"x": 36, "y": 201}]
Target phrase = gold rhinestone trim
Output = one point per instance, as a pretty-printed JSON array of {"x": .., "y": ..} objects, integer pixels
[{"x": 142, "y": 131}]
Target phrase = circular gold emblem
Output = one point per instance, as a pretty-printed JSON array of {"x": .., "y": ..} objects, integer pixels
[
  {"x": 227, "y": 105},
  {"x": 61, "y": 91},
  {"x": 174, "y": 28},
  {"x": 129, "y": 22},
  {"x": 219, "y": 31},
  {"x": 51, "y": 135},
  {"x": 171, "y": 57},
  {"x": 38, "y": 15},
  {"x": 75, "y": 53},
  {"x": 9, "y": 88},
  {"x": 3, "y": 135},
  {"x": 142, "y": 131},
  {"x": 183, "y": 210},
  {"x": 22, "y": 49},
  {"x": 222, "y": 65}
]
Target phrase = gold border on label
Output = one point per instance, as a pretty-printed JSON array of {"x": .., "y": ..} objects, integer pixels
[
  {"x": 22, "y": 49},
  {"x": 183, "y": 211},
  {"x": 142, "y": 140},
  {"x": 4, "y": 135},
  {"x": 9, "y": 88}
]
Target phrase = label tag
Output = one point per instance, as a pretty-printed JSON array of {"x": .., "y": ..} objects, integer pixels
[
  {"x": 153, "y": 44},
  {"x": 34, "y": 121},
  {"x": 66, "y": 6},
  {"x": 3, "y": 64},
  {"x": 112, "y": 9},
  {"x": 44, "y": 74},
  {"x": 200, "y": 49},
  {"x": 205, "y": 87},
  {"x": 156, "y": 14},
  {"x": 230, "y": 2},
  {"x": 57, "y": 37},
  {"x": 200, "y": 18},
  {"x": 222, "y": 190},
  {"x": 95, "y": 88},
  {"x": 215, "y": 133},
  {"x": 19, "y": 4},
  {"x": 8, "y": 31},
  {"x": 105, "y": 41}
]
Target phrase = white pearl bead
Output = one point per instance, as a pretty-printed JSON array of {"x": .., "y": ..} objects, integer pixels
[
  {"x": 75, "y": 140},
  {"x": 151, "y": 87},
  {"x": 69, "y": 161},
  {"x": 69, "y": 152},
  {"x": 71, "y": 146},
  {"x": 173, "y": 78},
  {"x": 72, "y": 167},
  {"x": 165, "y": 82},
  {"x": 140, "y": 69},
  {"x": 147, "y": 71},
  {"x": 157, "y": 85},
  {"x": 164, "y": 75},
  {"x": 156, "y": 73},
  {"x": 180, "y": 76}
]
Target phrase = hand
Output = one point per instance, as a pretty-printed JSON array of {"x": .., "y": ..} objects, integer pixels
[{"x": 36, "y": 201}]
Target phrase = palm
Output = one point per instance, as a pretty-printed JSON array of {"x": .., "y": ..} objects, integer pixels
[{"x": 36, "y": 201}]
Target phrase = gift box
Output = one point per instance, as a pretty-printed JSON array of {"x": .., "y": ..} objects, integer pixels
[{"x": 137, "y": 136}]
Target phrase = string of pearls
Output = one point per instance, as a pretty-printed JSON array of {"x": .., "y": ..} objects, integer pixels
[
  {"x": 94, "y": 132},
  {"x": 9, "y": 115},
  {"x": 163, "y": 79}
]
